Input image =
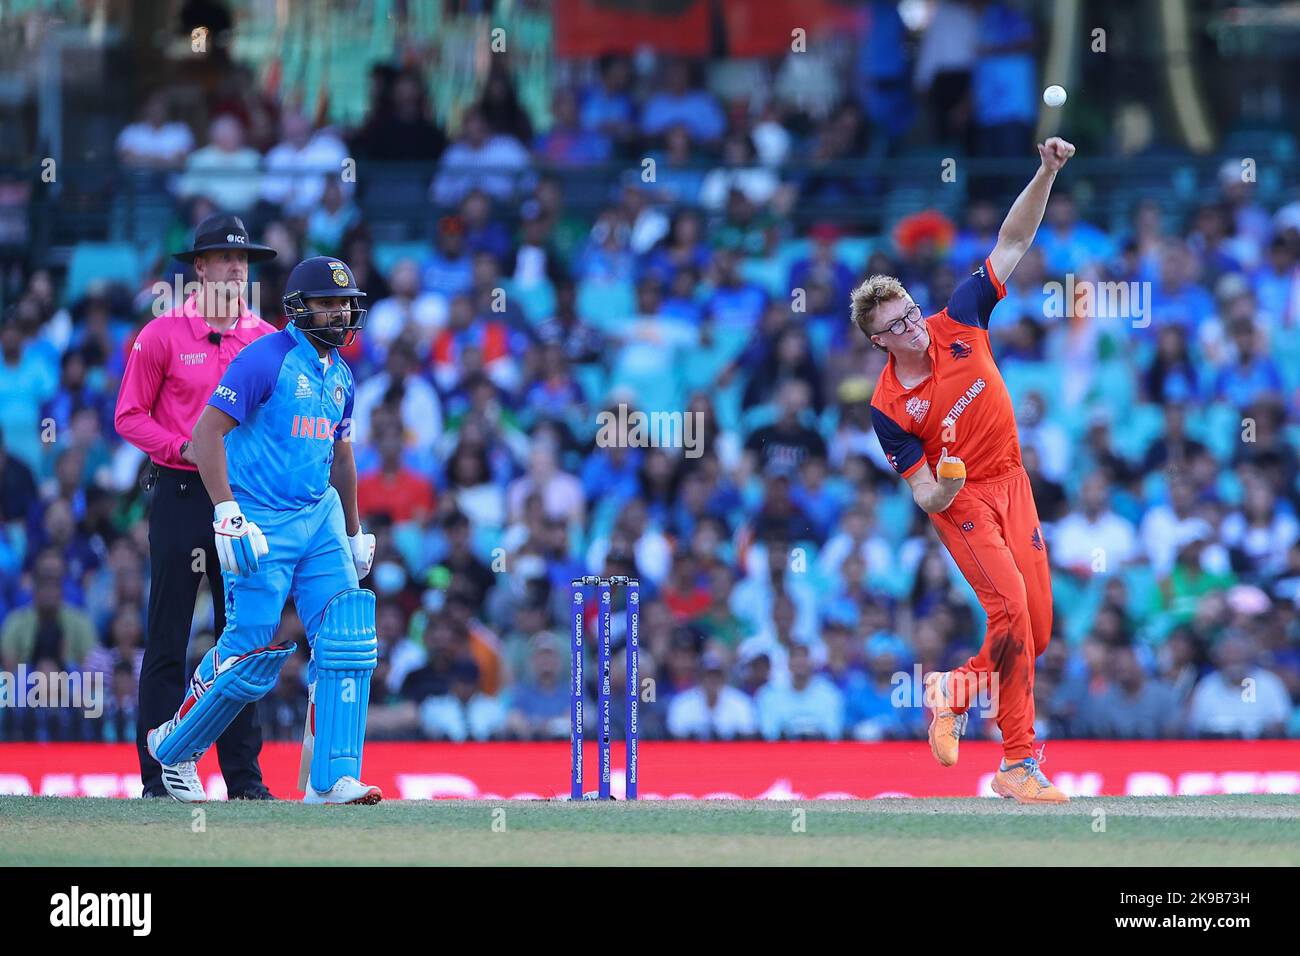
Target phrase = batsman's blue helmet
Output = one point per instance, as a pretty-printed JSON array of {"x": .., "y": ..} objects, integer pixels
[{"x": 318, "y": 278}]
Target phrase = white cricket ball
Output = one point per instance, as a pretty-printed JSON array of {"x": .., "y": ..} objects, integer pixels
[{"x": 1054, "y": 96}]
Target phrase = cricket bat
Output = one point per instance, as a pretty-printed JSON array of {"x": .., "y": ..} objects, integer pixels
[{"x": 308, "y": 740}]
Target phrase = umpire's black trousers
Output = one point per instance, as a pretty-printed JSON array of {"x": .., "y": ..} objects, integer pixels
[{"x": 180, "y": 524}]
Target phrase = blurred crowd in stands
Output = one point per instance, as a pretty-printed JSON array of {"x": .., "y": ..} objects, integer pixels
[{"x": 786, "y": 576}]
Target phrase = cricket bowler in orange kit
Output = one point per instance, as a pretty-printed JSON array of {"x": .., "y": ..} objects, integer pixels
[{"x": 945, "y": 421}]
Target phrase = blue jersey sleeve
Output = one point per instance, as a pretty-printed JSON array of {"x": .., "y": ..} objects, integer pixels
[
  {"x": 902, "y": 448},
  {"x": 973, "y": 300},
  {"x": 250, "y": 379}
]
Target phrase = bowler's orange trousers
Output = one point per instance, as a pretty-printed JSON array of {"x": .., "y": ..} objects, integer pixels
[{"x": 991, "y": 529}]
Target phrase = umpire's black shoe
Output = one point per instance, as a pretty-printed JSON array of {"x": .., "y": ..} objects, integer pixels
[{"x": 254, "y": 793}]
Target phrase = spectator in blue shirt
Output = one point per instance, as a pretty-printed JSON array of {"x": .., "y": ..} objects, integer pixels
[
  {"x": 734, "y": 302},
  {"x": 682, "y": 248},
  {"x": 1003, "y": 92},
  {"x": 809, "y": 707},
  {"x": 612, "y": 473},
  {"x": 823, "y": 265},
  {"x": 1068, "y": 243},
  {"x": 568, "y": 142},
  {"x": 1252, "y": 375},
  {"x": 680, "y": 104},
  {"x": 677, "y": 175},
  {"x": 448, "y": 271},
  {"x": 872, "y": 713},
  {"x": 1171, "y": 376},
  {"x": 607, "y": 108},
  {"x": 483, "y": 233},
  {"x": 74, "y": 394},
  {"x": 537, "y": 707},
  {"x": 976, "y": 237},
  {"x": 1211, "y": 240},
  {"x": 25, "y": 381},
  {"x": 884, "y": 72},
  {"x": 1277, "y": 283},
  {"x": 1176, "y": 298}
]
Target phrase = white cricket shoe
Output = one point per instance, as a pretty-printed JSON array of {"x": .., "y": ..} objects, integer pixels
[
  {"x": 345, "y": 790},
  {"x": 181, "y": 780}
]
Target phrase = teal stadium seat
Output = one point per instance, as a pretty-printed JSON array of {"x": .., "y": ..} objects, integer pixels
[
  {"x": 389, "y": 254},
  {"x": 483, "y": 539},
  {"x": 1068, "y": 603},
  {"x": 854, "y": 251},
  {"x": 1113, "y": 386},
  {"x": 1042, "y": 377},
  {"x": 602, "y": 303},
  {"x": 756, "y": 417},
  {"x": 1286, "y": 352},
  {"x": 537, "y": 301},
  {"x": 767, "y": 273},
  {"x": 1135, "y": 430},
  {"x": 1218, "y": 427},
  {"x": 819, "y": 339},
  {"x": 655, "y": 390},
  {"x": 591, "y": 379},
  {"x": 730, "y": 340},
  {"x": 791, "y": 251},
  {"x": 98, "y": 262},
  {"x": 894, "y": 516},
  {"x": 726, "y": 404}
]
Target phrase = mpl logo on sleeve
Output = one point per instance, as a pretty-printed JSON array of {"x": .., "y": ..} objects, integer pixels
[
  {"x": 225, "y": 392},
  {"x": 76, "y": 909}
]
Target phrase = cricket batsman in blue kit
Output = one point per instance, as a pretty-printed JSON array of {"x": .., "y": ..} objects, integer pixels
[{"x": 273, "y": 448}]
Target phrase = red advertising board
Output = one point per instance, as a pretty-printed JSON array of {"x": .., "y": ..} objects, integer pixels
[
  {"x": 588, "y": 28},
  {"x": 771, "y": 771}
]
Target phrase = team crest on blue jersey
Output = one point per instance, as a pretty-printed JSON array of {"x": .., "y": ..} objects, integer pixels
[
  {"x": 304, "y": 388},
  {"x": 960, "y": 350},
  {"x": 338, "y": 394}
]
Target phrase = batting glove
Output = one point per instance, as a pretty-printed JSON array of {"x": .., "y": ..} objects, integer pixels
[
  {"x": 240, "y": 543},
  {"x": 363, "y": 552}
]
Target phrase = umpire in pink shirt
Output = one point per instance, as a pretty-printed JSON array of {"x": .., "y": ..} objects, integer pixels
[{"x": 174, "y": 367}]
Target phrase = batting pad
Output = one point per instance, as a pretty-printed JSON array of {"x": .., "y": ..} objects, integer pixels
[
  {"x": 218, "y": 689},
  {"x": 346, "y": 652}
]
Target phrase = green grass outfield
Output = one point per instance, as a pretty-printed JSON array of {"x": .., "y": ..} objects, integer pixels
[{"x": 1209, "y": 831}]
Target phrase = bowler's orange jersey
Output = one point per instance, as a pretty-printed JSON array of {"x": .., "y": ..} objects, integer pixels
[{"x": 964, "y": 405}]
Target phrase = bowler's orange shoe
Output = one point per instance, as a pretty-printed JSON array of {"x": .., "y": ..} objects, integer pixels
[
  {"x": 946, "y": 727},
  {"x": 1025, "y": 783}
]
